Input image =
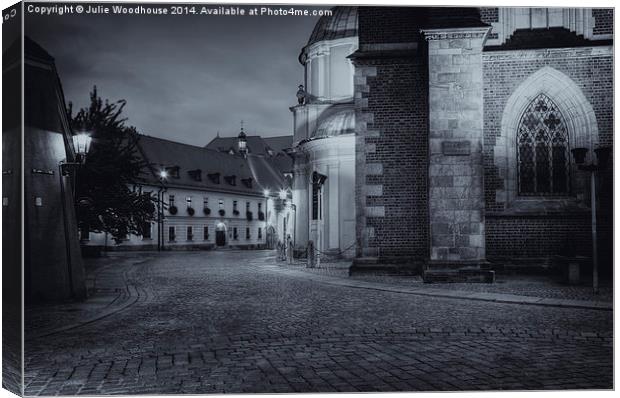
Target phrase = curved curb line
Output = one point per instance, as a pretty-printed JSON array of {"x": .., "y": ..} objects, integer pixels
[
  {"x": 488, "y": 297},
  {"x": 134, "y": 296}
]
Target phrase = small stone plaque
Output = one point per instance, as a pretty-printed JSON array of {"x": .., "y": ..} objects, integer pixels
[{"x": 456, "y": 148}]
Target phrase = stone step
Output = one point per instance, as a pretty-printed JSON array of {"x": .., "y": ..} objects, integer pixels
[
  {"x": 461, "y": 275},
  {"x": 365, "y": 260}
]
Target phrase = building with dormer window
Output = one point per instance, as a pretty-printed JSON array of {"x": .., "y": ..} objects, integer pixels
[{"x": 206, "y": 196}]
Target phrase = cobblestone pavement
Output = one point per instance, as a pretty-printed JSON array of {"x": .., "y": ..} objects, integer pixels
[
  {"x": 217, "y": 322},
  {"x": 525, "y": 285},
  {"x": 109, "y": 288}
]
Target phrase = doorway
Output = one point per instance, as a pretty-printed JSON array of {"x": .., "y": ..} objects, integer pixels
[
  {"x": 220, "y": 234},
  {"x": 271, "y": 237}
]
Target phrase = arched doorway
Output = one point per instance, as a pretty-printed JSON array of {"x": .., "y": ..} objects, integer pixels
[{"x": 220, "y": 234}]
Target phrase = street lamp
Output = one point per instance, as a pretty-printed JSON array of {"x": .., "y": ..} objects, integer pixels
[
  {"x": 602, "y": 153},
  {"x": 266, "y": 194},
  {"x": 283, "y": 194},
  {"x": 163, "y": 175},
  {"x": 81, "y": 144}
]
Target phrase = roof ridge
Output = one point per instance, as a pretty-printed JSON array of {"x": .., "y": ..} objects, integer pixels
[{"x": 179, "y": 143}]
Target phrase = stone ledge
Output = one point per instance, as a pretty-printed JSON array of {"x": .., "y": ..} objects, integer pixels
[{"x": 465, "y": 274}]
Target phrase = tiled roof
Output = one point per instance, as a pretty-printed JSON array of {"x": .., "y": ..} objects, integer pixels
[
  {"x": 195, "y": 161},
  {"x": 256, "y": 144},
  {"x": 259, "y": 146},
  {"x": 279, "y": 143}
]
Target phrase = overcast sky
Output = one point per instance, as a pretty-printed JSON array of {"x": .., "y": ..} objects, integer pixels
[{"x": 184, "y": 77}]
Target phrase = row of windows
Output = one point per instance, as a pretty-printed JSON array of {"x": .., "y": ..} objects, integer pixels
[
  {"x": 205, "y": 203},
  {"x": 172, "y": 230}
]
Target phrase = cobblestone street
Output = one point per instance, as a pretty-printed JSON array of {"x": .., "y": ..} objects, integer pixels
[{"x": 233, "y": 321}]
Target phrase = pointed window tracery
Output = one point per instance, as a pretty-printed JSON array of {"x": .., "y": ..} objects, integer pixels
[{"x": 543, "y": 150}]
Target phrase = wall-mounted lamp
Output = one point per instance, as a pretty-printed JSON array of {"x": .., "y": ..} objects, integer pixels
[{"x": 81, "y": 144}]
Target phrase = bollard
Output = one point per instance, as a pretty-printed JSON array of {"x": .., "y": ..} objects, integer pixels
[
  {"x": 279, "y": 247},
  {"x": 310, "y": 254},
  {"x": 289, "y": 250}
]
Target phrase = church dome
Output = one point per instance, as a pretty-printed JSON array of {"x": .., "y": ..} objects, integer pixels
[
  {"x": 338, "y": 123},
  {"x": 341, "y": 24}
]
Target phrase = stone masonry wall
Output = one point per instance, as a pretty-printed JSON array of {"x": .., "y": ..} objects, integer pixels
[{"x": 455, "y": 140}]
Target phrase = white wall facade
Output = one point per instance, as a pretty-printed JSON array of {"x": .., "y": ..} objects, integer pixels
[
  {"x": 329, "y": 73},
  {"x": 199, "y": 220},
  {"x": 320, "y": 146},
  {"x": 334, "y": 230}
]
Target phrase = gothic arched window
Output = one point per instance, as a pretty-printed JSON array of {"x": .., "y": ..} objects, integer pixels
[{"x": 543, "y": 151}]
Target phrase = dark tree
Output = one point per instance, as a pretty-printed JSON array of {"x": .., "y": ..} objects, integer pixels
[{"x": 108, "y": 191}]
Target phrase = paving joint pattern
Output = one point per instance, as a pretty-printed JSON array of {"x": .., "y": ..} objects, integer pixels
[
  {"x": 227, "y": 323},
  {"x": 343, "y": 280}
]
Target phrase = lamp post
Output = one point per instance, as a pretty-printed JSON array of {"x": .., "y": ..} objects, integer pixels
[
  {"x": 602, "y": 153},
  {"x": 81, "y": 144},
  {"x": 282, "y": 196},
  {"x": 163, "y": 175},
  {"x": 290, "y": 206},
  {"x": 293, "y": 207},
  {"x": 266, "y": 195}
]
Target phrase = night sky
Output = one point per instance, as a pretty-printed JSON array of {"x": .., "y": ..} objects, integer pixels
[{"x": 184, "y": 77}]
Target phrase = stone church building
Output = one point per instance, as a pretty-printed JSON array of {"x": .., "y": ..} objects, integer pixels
[{"x": 446, "y": 135}]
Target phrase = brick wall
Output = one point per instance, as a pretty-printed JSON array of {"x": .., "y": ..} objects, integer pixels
[
  {"x": 603, "y": 21},
  {"x": 395, "y": 154},
  {"x": 519, "y": 237},
  {"x": 592, "y": 72},
  {"x": 391, "y": 94},
  {"x": 489, "y": 14},
  {"x": 391, "y": 90},
  {"x": 389, "y": 24}
]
